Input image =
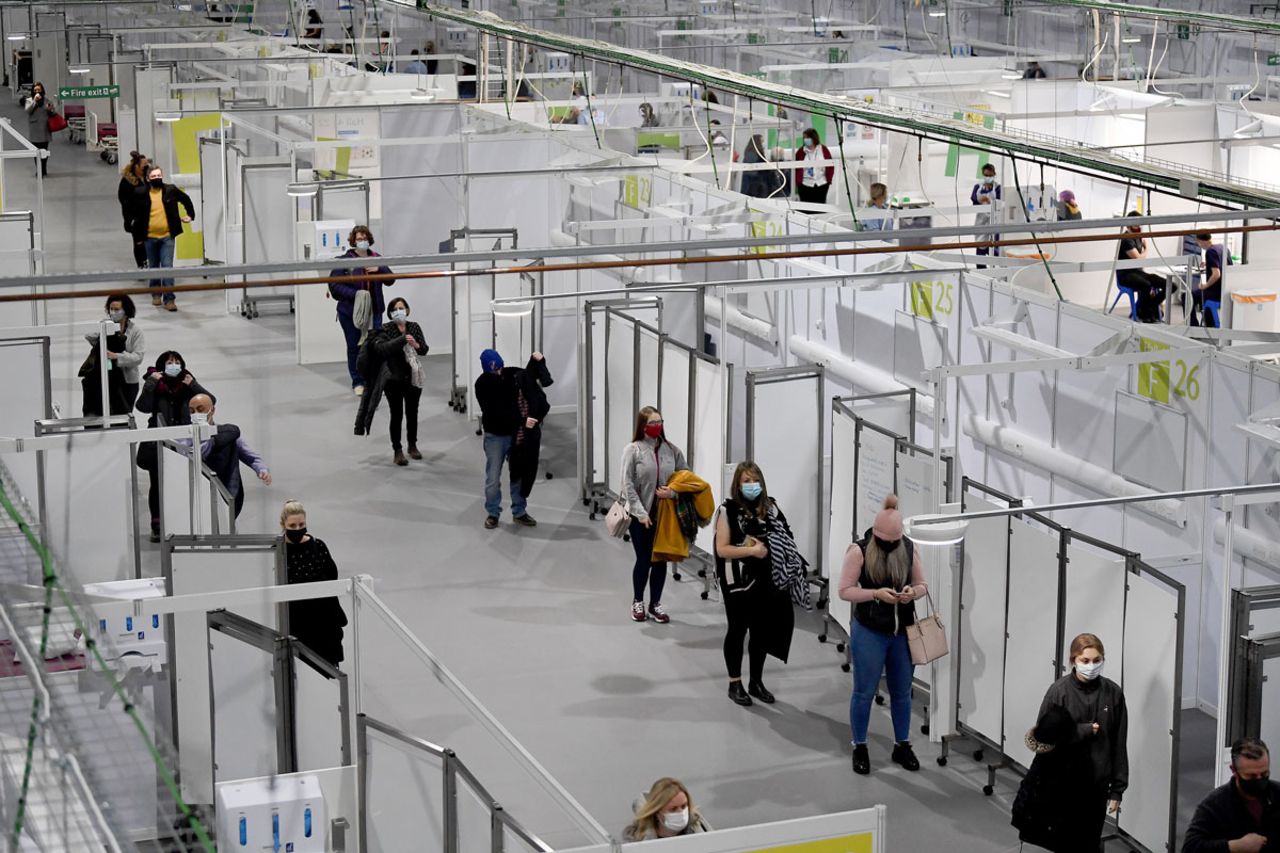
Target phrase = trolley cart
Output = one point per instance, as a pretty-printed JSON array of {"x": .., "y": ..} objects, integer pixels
[
  {"x": 77, "y": 128},
  {"x": 108, "y": 144}
]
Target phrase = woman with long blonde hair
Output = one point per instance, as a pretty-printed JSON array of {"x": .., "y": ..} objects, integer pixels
[
  {"x": 667, "y": 811},
  {"x": 882, "y": 577}
]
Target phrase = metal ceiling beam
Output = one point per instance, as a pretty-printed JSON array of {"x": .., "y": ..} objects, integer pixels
[
  {"x": 923, "y": 125},
  {"x": 1176, "y": 16}
]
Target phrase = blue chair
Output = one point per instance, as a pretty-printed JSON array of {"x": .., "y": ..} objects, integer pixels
[
  {"x": 1211, "y": 312},
  {"x": 1122, "y": 291}
]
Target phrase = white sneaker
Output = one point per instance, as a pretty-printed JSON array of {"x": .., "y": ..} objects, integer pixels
[{"x": 358, "y": 390}]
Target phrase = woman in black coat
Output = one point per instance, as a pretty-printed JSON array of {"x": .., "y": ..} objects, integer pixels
[
  {"x": 317, "y": 622},
  {"x": 1046, "y": 809},
  {"x": 400, "y": 344},
  {"x": 133, "y": 177},
  {"x": 166, "y": 391}
]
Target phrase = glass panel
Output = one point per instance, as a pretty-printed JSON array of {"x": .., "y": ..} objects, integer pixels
[{"x": 405, "y": 797}]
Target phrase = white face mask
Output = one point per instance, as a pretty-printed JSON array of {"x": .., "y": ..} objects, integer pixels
[
  {"x": 399, "y": 314},
  {"x": 676, "y": 821},
  {"x": 1089, "y": 671},
  {"x": 200, "y": 417},
  {"x": 362, "y": 245},
  {"x": 116, "y": 316}
]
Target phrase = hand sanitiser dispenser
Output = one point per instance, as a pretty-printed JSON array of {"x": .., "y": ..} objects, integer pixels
[{"x": 281, "y": 815}]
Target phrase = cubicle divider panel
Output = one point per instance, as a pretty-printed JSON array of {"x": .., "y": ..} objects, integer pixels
[
  {"x": 708, "y": 447},
  {"x": 213, "y": 200},
  {"x": 197, "y": 564},
  {"x": 244, "y": 715},
  {"x": 620, "y": 393},
  {"x": 512, "y": 335},
  {"x": 1151, "y": 681},
  {"x": 649, "y": 370},
  {"x": 268, "y": 209},
  {"x": 1032, "y": 630},
  {"x": 89, "y": 490},
  {"x": 28, "y": 396},
  {"x": 675, "y": 392},
  {"x": 318, "y": 720},
  {"x": 876, "y": 473},
  {"x": 1095, "y": 601},
  {"x": 786, "y": 438},
  {"x": 842, "y": 491},
  {"x": 984, "y": 588}
]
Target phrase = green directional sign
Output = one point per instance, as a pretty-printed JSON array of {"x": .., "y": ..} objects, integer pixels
[
  {"x": 81, "y": 93},
  {"x": 1273, "y": 59}
]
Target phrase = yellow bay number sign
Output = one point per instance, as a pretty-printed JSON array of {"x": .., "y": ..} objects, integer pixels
[{"x": 1154, "y": 376}]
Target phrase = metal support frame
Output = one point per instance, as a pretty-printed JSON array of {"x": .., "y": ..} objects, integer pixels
[
  {"x": 1244, "y": 603},
  {"x": 459, "y": 388}
]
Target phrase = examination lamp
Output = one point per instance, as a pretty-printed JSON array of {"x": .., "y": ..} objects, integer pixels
[
  {"x": 302, "y": 189},
  {"x": 519, "y": 308},
  {"x": 935, "y": 529}
]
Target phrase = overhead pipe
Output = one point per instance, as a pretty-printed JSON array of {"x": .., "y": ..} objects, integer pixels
[
  {"x": 1248, "y": 544},
  {"x": 1042, "y": 454},
  {"x": 923, "y": 248},
  {"x": 715, "y": 307},
  {"x": 873, "y": 379}
]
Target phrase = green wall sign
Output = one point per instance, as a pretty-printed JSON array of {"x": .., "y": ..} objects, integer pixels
[{"x": 81, "y": 93}]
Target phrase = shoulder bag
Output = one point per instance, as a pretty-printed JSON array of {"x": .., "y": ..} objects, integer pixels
[
  {"x": 56, "y": 122},
  {"x": 618, "y": 519},
  {"x": 927, "y": 639}
]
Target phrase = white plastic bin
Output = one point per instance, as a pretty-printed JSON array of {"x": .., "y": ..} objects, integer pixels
[{"x": 1255, "y": 311}]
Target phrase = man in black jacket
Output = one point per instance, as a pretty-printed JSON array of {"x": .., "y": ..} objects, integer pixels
[
  {"x": 155, "y": 223},
  {"x": 1242, "y": 816},
  {"x": 511, "y": 414}
]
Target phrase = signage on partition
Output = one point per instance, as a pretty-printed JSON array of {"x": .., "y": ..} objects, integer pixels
[
  {"x": 80, "y": 93},
  {"x": 860, "y": 842}
]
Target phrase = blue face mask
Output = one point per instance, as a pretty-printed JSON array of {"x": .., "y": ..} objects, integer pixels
[
  {"x": 173, "y": 370},
  {"x": 752, "y": 491},
  {"x": 399, "y": 314}
]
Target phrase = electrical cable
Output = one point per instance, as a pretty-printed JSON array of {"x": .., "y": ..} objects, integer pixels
[
  {"x": 844, "y": 169},
  {"x": 1017, "y": 183},
  {"x": 591, "y": 113}
]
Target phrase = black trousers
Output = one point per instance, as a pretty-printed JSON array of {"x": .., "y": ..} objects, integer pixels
[
  {"x": 1150, "y": 289},
  {"x": 746, "y": 612},
  {"x": 813, "y": 195},
  {"x": 44, "y": 161},
  {"x": 402, "y": 400},
  {"x": 139, "y": 254}
]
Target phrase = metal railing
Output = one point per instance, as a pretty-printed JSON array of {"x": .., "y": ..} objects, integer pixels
[{"x": 453, "y": 770}]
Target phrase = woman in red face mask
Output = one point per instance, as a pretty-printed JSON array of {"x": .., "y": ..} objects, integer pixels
[{"x": 647, "y": 464}]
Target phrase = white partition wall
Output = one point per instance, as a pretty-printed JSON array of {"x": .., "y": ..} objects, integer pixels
[
  {"x": 984, "y": 586},
  {"x": 28, "y": 397},
  {"x": 786, "y": 437},
  {"x": 89, "y": 503},
  {"x": 707, "y": 453},
  {"x": 619, "y": 393}
]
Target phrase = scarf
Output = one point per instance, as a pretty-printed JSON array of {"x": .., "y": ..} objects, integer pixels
[
  {"x": 415, "y": 366},
  {"x": 788, "y": 567},
  {"x": 523, "y": 405},
  {"x": 362, "y": 313},
  {"x": 1071, "y": 208}
]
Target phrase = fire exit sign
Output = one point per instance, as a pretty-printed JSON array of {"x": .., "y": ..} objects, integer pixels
[{"x": 80, "y": 93}]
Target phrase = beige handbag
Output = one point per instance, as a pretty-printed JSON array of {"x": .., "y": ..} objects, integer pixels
[
  {"x": 927, "y": 639},
  {"x": 617, "y": 520}
]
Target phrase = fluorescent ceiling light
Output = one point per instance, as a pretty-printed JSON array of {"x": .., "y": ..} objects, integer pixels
[
  {"x": 168, "y": 116},
  {"x": 1019, "y": 343},
  {"x": 17, "y": 37},
  {"x": 938, "y": 14},
  {"x": 1131, "y": 40},
  {"x": 1011, "y": 75},
  {"x": 515, "y": 308},
  {"x": 302, "y": 189},
  {"x": 81, "y": 70},
  {"x": 997, "y": 94}
]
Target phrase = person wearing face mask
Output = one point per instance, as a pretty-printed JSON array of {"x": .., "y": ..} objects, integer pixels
[
  {"x": 133, "y": 176},
  {"x": 359, "y": 298},
  {"x": 224, "y": 450},
  {"x": 647, "y": 464},
  {"x": 504, "y": 422},
  {"x": 400, "y": 344},
  {"x": 124, "y": 350},
  {"x": 155, "y": 221},
  {"x": 882, "y": 577},
  {"x": 166, "y": 395},
  {"x": 748, "y": 523},
  {"x": 1101, "y": 730},
  {"x": 986, "y": 194},
  {"x": 813, "y": 180},
  {"x": 39, "y": 110},
  {"x": 1242, "y": 816},
  {"x": 316, "y": 622},
  {"x": 665, "y": 812}
]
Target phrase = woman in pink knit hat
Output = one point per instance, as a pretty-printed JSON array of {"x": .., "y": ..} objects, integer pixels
[{"x": 882, "y": 577}]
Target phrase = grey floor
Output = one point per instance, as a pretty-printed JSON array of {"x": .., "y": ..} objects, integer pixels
[{"x": 535, "y": 622}]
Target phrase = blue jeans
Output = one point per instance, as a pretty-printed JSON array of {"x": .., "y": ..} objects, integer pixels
[
  {"x": 160, "y": 256},
  {"x": 496, "y": 450},
  {"x": 873, "y": 653},
  {"x": 352, "y": 334}
]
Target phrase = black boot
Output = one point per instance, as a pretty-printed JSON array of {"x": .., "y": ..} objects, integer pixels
[
  {"x": 903, "y": 754},
  {"x": 861, "y": 761},
  {"x": 756, "y": 689},
  {"x": 737, "y": 694}
]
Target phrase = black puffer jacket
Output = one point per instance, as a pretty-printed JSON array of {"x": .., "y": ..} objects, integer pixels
[{"x": 166, "y": 398}]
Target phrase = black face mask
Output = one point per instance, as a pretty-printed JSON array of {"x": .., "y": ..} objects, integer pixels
[
  {"x": 1253, "y": 787},
  {"x": 158, "y": 183},
  {"x": 295, "y": 536},
  {"x": 886, "y": 545}
]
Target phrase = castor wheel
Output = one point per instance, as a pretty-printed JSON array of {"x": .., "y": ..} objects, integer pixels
[
  {"x": 879, "y": 699},
  {"x": 479, "y": 432},
  {"x": 924, "y": 730},
  {"x": 675, "y": 576},
  {"x": 987, "y": 790},
  {"x": 592, "y": 516},
  {"x": 942, "y": 761},
  {"x": 626, "y": 537},
  {"x": 548, "y": 475},
  {"x": 586, "y": 501},
  {"x": 822, "y": 638},
  {"x": 840, "y": 648},
  {"x": 844, "y": 667},
  {"x": 704, "y": 595},
  {"x": 977, "y": 755}
]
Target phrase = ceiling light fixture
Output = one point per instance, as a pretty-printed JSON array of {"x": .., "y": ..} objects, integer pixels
[
  {"x": 80, "y": 70},
  {"x": 302, "y": 189},
  {"x": 511, "y": 308}
]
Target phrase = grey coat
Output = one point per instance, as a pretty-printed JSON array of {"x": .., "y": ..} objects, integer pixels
[
  {"x": 129, "y": 361},
  {"x": 38, "y": 121},
  {"x": 640, "y": 473}
]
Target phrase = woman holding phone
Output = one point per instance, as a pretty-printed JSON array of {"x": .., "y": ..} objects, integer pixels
[{"x": 882, "y": 577}]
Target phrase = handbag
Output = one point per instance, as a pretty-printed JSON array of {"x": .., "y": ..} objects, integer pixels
[
  {"x": 56, "y": 122},
  {"x": 617, "y": 519},
  {"x": 927, "y": 639}
]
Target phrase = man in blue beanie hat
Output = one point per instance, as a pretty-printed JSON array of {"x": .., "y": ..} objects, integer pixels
[{"x": 511, "y": 415}]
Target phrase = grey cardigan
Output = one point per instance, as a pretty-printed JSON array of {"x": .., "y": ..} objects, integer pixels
[
  {"x": 38, "y": 120},
  {"x": 129, "y": 361},
  {"x": 640, "y": 472}
]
